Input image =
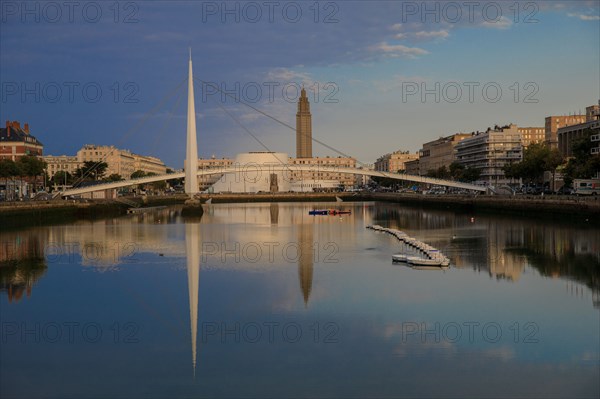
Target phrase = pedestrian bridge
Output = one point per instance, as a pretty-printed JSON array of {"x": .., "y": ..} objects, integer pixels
[{"x": 251, "y": 172}]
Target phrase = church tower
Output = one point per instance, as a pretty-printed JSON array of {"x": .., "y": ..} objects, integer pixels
[{"x": 303, "y": 127}]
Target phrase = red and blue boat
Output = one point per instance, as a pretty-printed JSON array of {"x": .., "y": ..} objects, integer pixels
[{"x": 328, "y": 212}]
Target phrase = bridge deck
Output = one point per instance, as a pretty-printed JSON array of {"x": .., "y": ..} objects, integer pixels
[{"x": 274, "y": 168}]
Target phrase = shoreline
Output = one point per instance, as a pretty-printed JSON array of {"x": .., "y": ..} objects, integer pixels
[{"x": 16, "y": 213}]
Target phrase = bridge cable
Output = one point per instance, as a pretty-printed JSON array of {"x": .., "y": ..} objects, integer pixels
[
  {"x": 166, "y": 125},
  {"x": 132, "y": 130},
  {"x": 240, "y": 124},
  {"x": 212, "y": 85}
]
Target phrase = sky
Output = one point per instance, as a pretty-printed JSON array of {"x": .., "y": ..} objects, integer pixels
[{"x": 380, "y": 76}]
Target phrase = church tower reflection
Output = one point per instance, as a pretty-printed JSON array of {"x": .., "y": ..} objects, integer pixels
[
  {"x": 274, "y": 212},
  {"x": 192, "y": 248},
  {"x": 305, "y": 261}
]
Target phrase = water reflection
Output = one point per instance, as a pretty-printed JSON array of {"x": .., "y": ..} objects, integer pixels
[
  {"x": 501, "y": 247},
  {"x": 18, "y": 277},
  {"x": 22, "y": 264},
  {"x": 305, "y": 262},
  {"x": 495, "y": 260},
  {"x": 504, "y": 247},
  {"x": 192, "y": 249}
]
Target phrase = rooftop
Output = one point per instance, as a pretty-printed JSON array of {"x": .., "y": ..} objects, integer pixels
[{"x": 13, "y": 132}]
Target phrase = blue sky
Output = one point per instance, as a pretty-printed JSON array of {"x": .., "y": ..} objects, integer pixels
[{"x": 363, "y": 58}]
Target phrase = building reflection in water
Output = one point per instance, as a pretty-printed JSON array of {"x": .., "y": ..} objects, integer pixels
[
  {"x": 503, "y": 247},
  {"x": 306, "y": 259},
  {"x": 22, "y": 263},
  {"x": 274, "y": 209}
]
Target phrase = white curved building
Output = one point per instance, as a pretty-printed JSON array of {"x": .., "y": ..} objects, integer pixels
[{"x": 252, "y": 181}]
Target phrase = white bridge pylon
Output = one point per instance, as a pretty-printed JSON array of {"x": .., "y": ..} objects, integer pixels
[{"x": 257, "y": 170}]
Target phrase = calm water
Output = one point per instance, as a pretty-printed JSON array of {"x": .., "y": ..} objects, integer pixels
[{"x": 264, "y": 300}]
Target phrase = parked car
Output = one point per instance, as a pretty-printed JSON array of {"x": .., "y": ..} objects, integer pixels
[{"x": 565, "y": 190}]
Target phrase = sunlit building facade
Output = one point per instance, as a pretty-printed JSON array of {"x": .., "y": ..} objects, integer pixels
[
  {"x": 121, "y": 162},
  {"x": 394, "y": 162},
  {"x": 439, "y": 153},
  {"x": 489, "y": 151}
]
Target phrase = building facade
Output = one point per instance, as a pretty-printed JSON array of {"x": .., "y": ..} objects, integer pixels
[
  {"x": 121, "y": 162},
  {"x": 567, "y": 134},
  {"x": 149, "y": 164},
  {"x": 394, "y": 162},
  {"x": 303, "y": 127},
  {"x": 61, "y": 163},
  {"x": 345, "y": 180},
  {"x": 595, "y": 141},
  {"x": 530, "y": 135},
  {"x": 440, "y": 152},
  {"x": 490, "y": 151},
  {"x": 553, "y": 123},
  {"x": 265, "y": 179},
  {"x": 413, "y": 167},
  {"x": 16, "y": 142},
  {"x": 205, "y": 182}
]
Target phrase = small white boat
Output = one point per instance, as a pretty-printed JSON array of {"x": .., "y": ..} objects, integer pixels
[
  {"x": 415, "y": 260},
  {"x": 399, "y": 258}
]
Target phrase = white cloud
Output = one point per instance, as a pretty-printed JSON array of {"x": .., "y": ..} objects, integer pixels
[
  {"x": 399, "y": 50},
  {"x": 415, "y": 31},
  {"x": 436, "y": 34},
  {"x": 288, "y": 75},
  {"x": 502, "y": 23},
  {"x": 585, "y": 17}
]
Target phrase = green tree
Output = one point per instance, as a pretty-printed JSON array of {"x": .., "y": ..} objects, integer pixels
[
  {"x": 62, "y": 178},
  {"x": 583, "y": 165},
  {"x": 31, "y": 165},
  {"x": 537, "y": 158},
  {"x": 470, "y": 175},
  {"x": 456, "y": 170},
  {"x": 137, "y": 174},
  {"x": 114, "y": 177},
  {"x": 9, "y": 170},
  {"x": 439, "y": 173},
  {"x": 91, "y": 170}
]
